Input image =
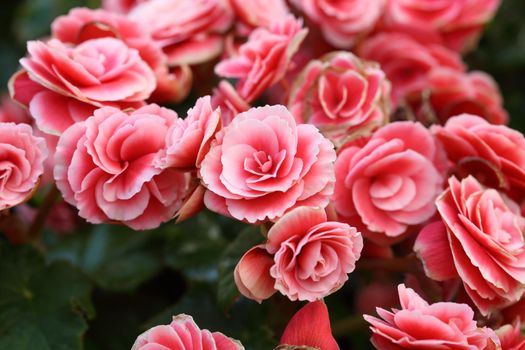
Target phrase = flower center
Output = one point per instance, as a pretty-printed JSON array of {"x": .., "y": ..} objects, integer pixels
[{"x": 264, "y": 165}]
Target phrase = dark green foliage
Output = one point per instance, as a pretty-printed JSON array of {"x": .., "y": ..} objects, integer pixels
[{"x": 42, "y": 306}]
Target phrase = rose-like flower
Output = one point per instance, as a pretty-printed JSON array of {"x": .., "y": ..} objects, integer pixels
[
  {"x": 264, "y": 59},
  {"x": 120, "y": 6},
  {"x": 510, "y": 337},
  {"x": 458, "y": 22},
  {"x": 306, "y": 257},
  {"x": 341, "y": 94},
  {"x": 258, "y": 13},
  {"x": 62, "y": 85},
  {"x": 480, "y": 239},
  {"x": 189, "y": 31},
  {"x": 420, "y": 326},
  {"x": 22, "y": 158},
  {"x": 407, "y": 61},
  {"x": 494, "y": 154},
  {"x": 263, "y": 165},
  {"x": 390, "y": 182},
  {"x": 449, "y": 92},
  {"x": 343, "y": 22},
  {"x": 313, "y": 257},
  {"x": 82, "y": 24},
  {"x": 105, "y": 167},
  {"x": 184, "y": 334},
  {"x": 309, "y": 328},
  {"x": 188, "y": 140}
]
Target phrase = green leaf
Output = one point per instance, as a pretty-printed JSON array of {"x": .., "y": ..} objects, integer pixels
[
  {"x": 227, "y": 290},
  {"x": 35, "y": 16},
  {"x": 114, "y": 257},
  {"x": 42, "y": 307},
  {"x": 194, "y": 247},
  {"x": 246, "y": 321}
]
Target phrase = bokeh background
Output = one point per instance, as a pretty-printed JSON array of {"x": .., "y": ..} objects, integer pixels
[{"x": 135, "y": 280}]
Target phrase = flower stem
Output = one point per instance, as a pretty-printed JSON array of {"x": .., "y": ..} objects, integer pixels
[{"x": 33, "y": 233}]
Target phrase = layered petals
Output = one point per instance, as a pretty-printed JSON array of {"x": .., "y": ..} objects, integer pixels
[
  {"x": 343, "y": 23},
  {"x": 458, "y": 23},
  {"x": 264, "y": 59},
  {"x": 188, "y": 140},
  {"x": 341, "y": 95},
  {"x": 305, "y": 257},
  {"x": 408, "y": 60},
  {"x": 485, "y": 244},
  {"x": 105, "y": 166},
  {"x": 419, "y": 325},
  {"x": 390, "y": 182},
  {"x": 263, "y": 164},
  {"x": 184, "y": 334},
  {"x": 449, "y": 93},
  {"x": 188, "y": 31},
  {"x": 22, "y": 158},
  {"x": 495, "y": 154}
]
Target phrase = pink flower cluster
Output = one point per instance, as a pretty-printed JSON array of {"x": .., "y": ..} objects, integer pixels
[
  {"x": 391, "y": 155},
  {"x": 457, "y": 23}
]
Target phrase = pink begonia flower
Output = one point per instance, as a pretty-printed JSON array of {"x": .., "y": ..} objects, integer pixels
[
  {"x": 344, "y": 22},
  {"x": 120, "y": 6},
  {"x": 62, "y": 84},
  {"x": 510, "y": 336},
  {"x": 391, "y": 181},
  {"x": 310, "y": 327},
  {"x": 228, "y": 100},
  {"x": 495, "y": 154},
  {"x": 420, "y": 326},
  {"x": 449, "y": 93},
  {"x": 188, "y": 140},
  {"x": 480, "y": 240},
  {"x": 264, "y": 59},
  {"x": 189, "y": 31},
  {"x": 459, "y": 23},
  {"x": 407, "y": 61},
  {"x": 82, "y": 24},
  {"x": 306, "y": 257},
  {"x": 105, "y": 167},
  {"x": 184, "y": 334},
  {"x": 263, "y": 164},
  {"x": 258, "y": 13},
  {"x": 22, "y": 158},
  {"x": 341, "y": 94}
]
